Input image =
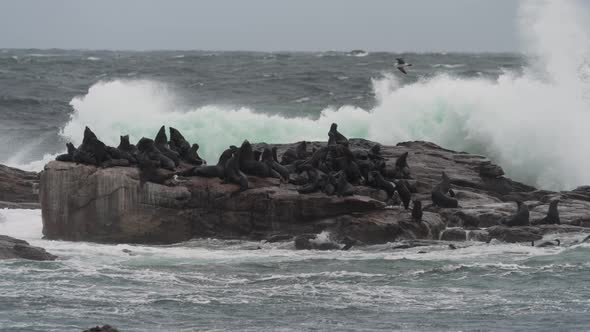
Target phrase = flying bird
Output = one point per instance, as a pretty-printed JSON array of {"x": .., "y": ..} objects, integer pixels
[{"x": 401, "y": 65}]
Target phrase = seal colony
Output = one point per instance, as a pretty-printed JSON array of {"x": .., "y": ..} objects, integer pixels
[
  {"x": 159, "y": 190},
  {"x": 333, "y": 169}
]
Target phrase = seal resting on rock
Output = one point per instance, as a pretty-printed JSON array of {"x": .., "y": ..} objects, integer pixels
[
  {"x": 404, "y": 193},
  {"x": 313, "y": 185},
  {"x": 552, "y": 217},
  {"x": 520, "y": 218},
  {"x": 417, "y": 211},
  {"x": 69, "y": 156},
  {"x": 299, "y": 152},
  {"x": 178, "y": 143},
  {"x": 232, "y": 172},
  {"x": 211, "y": 171},
  {"x": 377, "y": 181},
  {"x": 402, "y": 169},
  {"x": 192, "y": 156},
  {"x": 342, "y": 186},
  {"x": 161, "y": 143},
  {"x": 335, "y": 137},
  {"x": 92, "y": 150},
  {"x": 125, "y": 145},
  {"x": 149, "y": 152},
  {"x": 439, "y": 194},
  {"x": 251, "y": 166},
  {"x": 267, "y": 158}
]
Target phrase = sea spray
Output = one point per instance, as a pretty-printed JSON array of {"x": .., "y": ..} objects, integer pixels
[{"x": 139, "y": 108}]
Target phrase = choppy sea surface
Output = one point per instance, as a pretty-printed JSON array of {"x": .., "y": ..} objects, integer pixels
[
  {"x": 529, "y": 112},
  {"x": 213, "y": 285},
  {"x": 524, "y": 112}
]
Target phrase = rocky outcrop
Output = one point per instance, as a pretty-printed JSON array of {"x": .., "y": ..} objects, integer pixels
[
  {"x": 18, "y": 189},
  {"x": 15, "y": 248},
  {"x": 104, "y": 328},
  {"x": 82, "y": 202}
]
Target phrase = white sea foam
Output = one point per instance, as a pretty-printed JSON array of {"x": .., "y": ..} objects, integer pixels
[{"x": 449, "y": 66}]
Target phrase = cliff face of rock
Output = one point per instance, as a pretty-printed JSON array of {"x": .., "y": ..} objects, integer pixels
[
  {"x": 18, "y": 189},
  {"x": 87, "y": 203}
]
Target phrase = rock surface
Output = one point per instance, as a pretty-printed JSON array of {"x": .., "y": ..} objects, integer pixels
[
  {"x": 87, "y": 203},
  {"x": 104, "y": 328},
  {"x": 18, "y": 189},
  {"x": 15, "y": 248}
]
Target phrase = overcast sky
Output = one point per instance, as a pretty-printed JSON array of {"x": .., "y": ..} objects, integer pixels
[{"x": 265, "y": 25}]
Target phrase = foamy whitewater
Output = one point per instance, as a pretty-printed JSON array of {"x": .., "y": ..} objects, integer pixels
[{"x": 529, "y": 113}]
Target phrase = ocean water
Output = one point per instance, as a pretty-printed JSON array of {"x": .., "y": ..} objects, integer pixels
[
  {"x": 213, "y": 285},
  {"x": 528, "y": 111}
]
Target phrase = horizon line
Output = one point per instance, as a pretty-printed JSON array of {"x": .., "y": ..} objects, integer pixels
[{"x": 261, "y": 51}]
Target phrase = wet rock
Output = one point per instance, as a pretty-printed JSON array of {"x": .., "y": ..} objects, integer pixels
[
  {"x": 15, "y": 248},
  {"x": 478, "y": 235},
  {"x": 17, "y": 186},
  {"x": 82, "y": 202},
  {"x": 454, "y": 234},
  {"x": 279, "y": 238},
  {"x": 515, "y": 234},
  {"x": 104, "y": 328}
]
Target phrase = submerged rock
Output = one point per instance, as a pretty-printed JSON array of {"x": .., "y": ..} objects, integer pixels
[
  {"x": 104, "y": 328},
  {"x": 15, "y": 248}
]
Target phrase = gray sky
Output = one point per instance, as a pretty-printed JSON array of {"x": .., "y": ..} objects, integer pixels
[{"x": 265, "y": 25}]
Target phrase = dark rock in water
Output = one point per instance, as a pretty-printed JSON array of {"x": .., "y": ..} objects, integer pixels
[
  {"x": 18, "y": 186},
  {"x": 104, "y": 328},
  {"x": 279, "y": 238},
  {"x": 478, "y": 235},
  {"x": 454, "y": 234},
  {"x": 515, "y": 234},
  {"x": 552, "y": 243},
  {"x": 15, "y": 248}
]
